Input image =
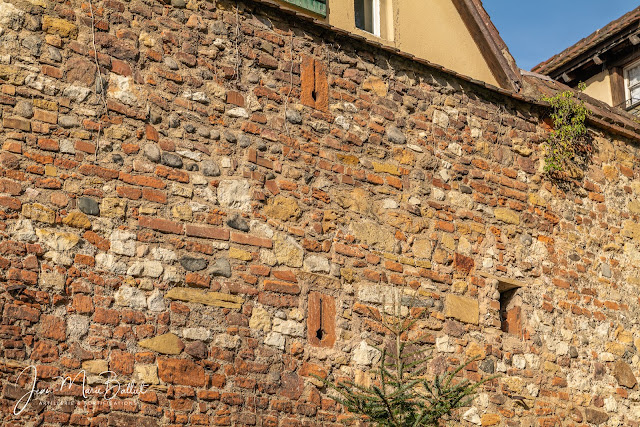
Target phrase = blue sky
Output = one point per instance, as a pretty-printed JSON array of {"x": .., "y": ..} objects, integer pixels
[{"x": 536, "y": 30}]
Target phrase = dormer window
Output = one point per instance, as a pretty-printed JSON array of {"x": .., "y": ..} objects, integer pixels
[{"x": 632, "y": 84}]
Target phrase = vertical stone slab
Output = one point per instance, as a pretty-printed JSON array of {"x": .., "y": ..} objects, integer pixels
[
  {"x": 315, "y": 86},
  {"x": 321, "y": 320},
  {"x": 321, "y": 86},
  {"x": 308, "y": 77}
]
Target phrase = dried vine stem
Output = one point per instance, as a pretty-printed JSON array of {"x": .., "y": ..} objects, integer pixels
[
  {"x": 237, "y": 43},
  {"x": 100, "y": 79},
  {"x": 286, "y": 100}
]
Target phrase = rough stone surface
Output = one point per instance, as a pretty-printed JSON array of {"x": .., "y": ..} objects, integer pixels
[
  {"x": 148, "y": 374},
  {"x": 164, "y": 344},
  {"x": 38, "y": 212},
  {"x": 128, "y": 296},
  {"x": 77, "y": 219},
  {"x": 507, "y": 215},
  {"x": 238, "y": 223},
  {"x": 221, "y": 268},
  {"x": 287, "y": 251},
  {"x": 462, "y": 308},
  {"x": 365, "y": 354},
  {"x": 207, "y": 298},
  {"x": 317, "y": 264},
  {"x": 95, "y": 366},
  {"x": 373, "y": 235},
  {"x": 193, "y": 264},
  {"x": 396, "y": 136},
  {"x": 260, "y": 319},
  {"x": 234, "y": 194},
  {"x": 152, "y": 152},
  {"x": 172, "y": 160},
  {"x": 113, "y": 207},
  {"x": 58, "y": 241},
  {"x": 288, "y": 327},
  {"x": 282, "y": 208},
  {"x": 210, "y": 168},
  {"x": 89, "y": 206},
  {"x": 398, "y": 182},
  {"x": 624, "y": 374},
  {"x": 595, "y": 416}
]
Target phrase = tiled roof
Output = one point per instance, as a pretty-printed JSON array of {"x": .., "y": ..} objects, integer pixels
[{"x": 555, "y": 62}]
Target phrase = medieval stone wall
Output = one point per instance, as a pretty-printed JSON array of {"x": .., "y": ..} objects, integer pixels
[{"x": 220, "y": 209}]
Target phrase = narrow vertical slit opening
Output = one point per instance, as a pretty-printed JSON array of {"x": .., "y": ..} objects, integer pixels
[{"x": 506, "y": 297}]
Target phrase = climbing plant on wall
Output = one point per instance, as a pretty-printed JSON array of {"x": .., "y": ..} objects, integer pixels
[{"x": 568, "y": 144}]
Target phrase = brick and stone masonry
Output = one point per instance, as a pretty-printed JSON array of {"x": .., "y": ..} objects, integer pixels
[{"x": 222, "y": 209}]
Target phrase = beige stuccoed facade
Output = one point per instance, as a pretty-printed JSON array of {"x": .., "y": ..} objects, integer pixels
[
  {"x": 429, "y": 29},
  {"x": 599, "y": 87}
]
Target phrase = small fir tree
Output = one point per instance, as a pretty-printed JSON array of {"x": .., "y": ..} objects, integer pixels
[{"x": 402, "y": 394}]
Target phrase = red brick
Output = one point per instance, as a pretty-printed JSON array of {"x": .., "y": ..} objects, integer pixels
[
  {"x": 207, "y": 232},
  {"x": 159, "y": 224},
  {"x": 208, "y": 395},
  {"x": 129, "y": 192},
  {"x": 98, "y": 171},
  {"x": 25, "y": 276},
  {"x": 82, "y": 304},
  {"x": 154, "y": 195},
  {"x": 445, "y": 226},
  {"x": 106, "y": 317},
  {"x": 120, "y": 67},
  {"x": 143, "y": 181},
  {"x": 267, "y": 61},
  {"x": 348, "y": 250},
  {"x": 21, "y": 312},
  {"x": 85, "y": 146},
  {"x": 276, "y": 300},
  {"x": 10, "y": 247},
  {"x": 96, "y": 240},
  {"x": 45, "y": 351},
  {"x": 10, "y": 202},
  {"x": 172, "y": 174},
  {"x": 286, "y": 275},
  {"x": 197, "y": 280},
  {"x": 16, "y": 123},
  {"x": 235, "y": 98},
  {"x": 151, "y": 133},
  {"x": 87, "y": 260},
  {"x": 462, "y": 263},
  {"x": 130, "y": 148},
  {"x": 246, "y": 239},
  {"x": 45, "y": 116},
  {"x": 48, "y": 144},
  {"x": 181, "y": 371},
  {"x": 121, "y": 362},
  {"x": 50, "y": 71},
  {"x": 283, "y": 287}
]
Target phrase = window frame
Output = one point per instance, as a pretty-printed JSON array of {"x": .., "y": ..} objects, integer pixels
[
  {"x": 376, "y": 17},
  {"x": 629, "y": 102},
  {"x": 316, "y": 6}
]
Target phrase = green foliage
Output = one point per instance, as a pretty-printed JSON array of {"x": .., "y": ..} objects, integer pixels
[
  {"x": 567, "y": 142},
  {"x": 402, "y": 393}
]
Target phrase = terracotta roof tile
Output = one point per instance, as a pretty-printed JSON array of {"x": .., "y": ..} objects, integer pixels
[{"x": 572, "y": 52}]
